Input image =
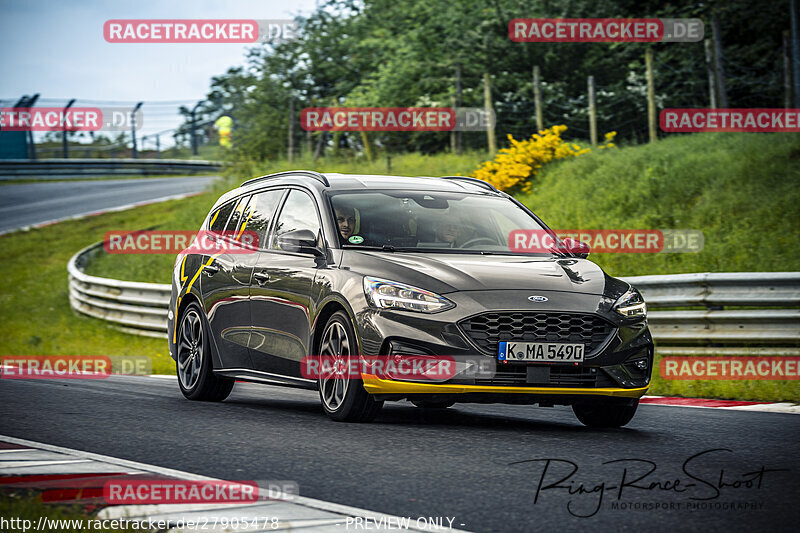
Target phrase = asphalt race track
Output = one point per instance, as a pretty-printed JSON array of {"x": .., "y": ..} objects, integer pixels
[
  {"x": 27, "y": 204},
  {"x": 480, "y": 464}
]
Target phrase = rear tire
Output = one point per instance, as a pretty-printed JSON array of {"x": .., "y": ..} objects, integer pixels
[
  {"x": 193, "y": 363},
  {"x": 604, "y": 414},
  {"x": 343, "y": 399},
  {"x": 433, "y": 404}
]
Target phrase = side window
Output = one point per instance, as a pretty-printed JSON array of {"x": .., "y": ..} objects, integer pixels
[
  {"x": 220, "y": 217},
  {"x": 299, "y": 212},
  {"x": 262, "y": 208},
  {"x": 238, "y": 221}
]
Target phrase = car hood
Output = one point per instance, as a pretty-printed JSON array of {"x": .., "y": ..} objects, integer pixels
[{"x": 443, "y": 272}]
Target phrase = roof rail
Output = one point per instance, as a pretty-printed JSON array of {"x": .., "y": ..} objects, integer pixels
[
  {"x": 476, "y": 181},
  {"x": 316, "y": 175}
]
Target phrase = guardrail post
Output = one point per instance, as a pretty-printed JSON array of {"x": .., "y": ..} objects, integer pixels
[
  {"x": 31, "y": 145},
  {"x": 194, "y": 126},
  {"x": 133, "y": 128},
  {"x": 65, "y": 147}
]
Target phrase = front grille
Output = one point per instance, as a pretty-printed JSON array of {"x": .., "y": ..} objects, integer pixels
[
  {"x": 560, "y": 376},
  {"x": 564, "y": 376},
  {"x": 488, "y": 329}
]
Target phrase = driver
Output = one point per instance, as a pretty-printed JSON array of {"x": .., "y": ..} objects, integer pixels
[
  {"x": 447, "y": 232},
  {"x": 345, "y": 220}
]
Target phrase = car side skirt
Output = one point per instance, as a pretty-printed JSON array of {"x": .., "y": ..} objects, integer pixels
[{"x": 256, "y": 376}]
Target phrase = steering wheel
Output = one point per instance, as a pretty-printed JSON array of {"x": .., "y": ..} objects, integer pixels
[{"x": 478, "y": 240}]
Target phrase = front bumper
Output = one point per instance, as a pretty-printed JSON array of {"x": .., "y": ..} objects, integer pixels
[{"x": 612, "y": 370}]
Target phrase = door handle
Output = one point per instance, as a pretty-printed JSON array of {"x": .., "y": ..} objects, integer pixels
[
  {"x": 210, "y": 269},
  {"x": 261, "y": 277}
]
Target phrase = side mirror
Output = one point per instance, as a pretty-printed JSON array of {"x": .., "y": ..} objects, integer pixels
[
  {"x": 301, "y": 241},
  {"x": 576, "y": 248}
]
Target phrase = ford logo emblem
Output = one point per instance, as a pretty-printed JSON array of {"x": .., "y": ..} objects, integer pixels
[{"x": 537, "y": 298}]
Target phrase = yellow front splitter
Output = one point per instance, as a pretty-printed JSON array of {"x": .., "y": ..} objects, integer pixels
[{"x": 376, "y": 385}]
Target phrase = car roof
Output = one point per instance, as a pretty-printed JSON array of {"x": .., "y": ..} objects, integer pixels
[
  {"x": 330, "y": 181},
  {"x": 430, "y": 183}
]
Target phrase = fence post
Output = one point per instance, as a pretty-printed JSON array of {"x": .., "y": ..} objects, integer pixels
[
  {"x": 592, "y": 113},
  {"x": 712, "y": 84},
  {"x": 795, "y": 53},
  {"x": 29, "y": 103},
  {"x": 194, "y": 126},
  {"x": 787, "y": 72},
  {"x": 651, "y": 96},
  {"x": 320, "y": 145},
  {"x": 64, "y": 147},
  {"x": 718, "y": 66},
  {"x": 291, "y": 130},
  {"x": 487, "y": 104},
  {"x": 459, "y": 135},
  {"x": 133, "y": 128},
  {"x": 453, "y": 141},
  {"x": 537, "y": 99},
  {"x": 367, "y": 147}
]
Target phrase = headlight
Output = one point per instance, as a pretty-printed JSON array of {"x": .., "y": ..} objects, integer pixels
[
  {"x": 386, "y": 294},
  {"x": 631, "y": 304}
]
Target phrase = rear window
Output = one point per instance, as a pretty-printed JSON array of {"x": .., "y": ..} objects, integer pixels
[
  {"x": 240, "y": 218},
  {"x": 220, "y": 217}
]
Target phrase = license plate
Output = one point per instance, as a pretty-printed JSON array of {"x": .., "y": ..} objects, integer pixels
[{"x": 540, "y": 352}]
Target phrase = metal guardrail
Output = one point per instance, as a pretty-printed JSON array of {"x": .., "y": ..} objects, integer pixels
[
  {"x": 754, "y": 289},
  {"x": 134, "y": 307},
  {"x": 141, "y": 308},
  {"x": 21, "y": 168},
  {"x": 715, "y": 325}
]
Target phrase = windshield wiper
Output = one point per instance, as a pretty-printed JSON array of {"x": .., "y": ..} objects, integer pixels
[{"x": 384, "y": 248}]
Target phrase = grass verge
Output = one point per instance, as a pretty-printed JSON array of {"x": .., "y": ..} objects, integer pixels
[{"x": 22, "y": 511}]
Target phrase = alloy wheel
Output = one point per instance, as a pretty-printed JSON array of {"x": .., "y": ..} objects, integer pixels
[
  {"x": 190, "y": 349},
  {"x": 335, "y": 351}
]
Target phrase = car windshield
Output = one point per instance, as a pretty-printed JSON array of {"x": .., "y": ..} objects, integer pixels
[{"x": 428, "y": 221}]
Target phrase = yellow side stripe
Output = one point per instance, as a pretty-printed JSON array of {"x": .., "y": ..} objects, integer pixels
[
  {"x": 188, "y": 288},
  {"x": 375, "y": 385}
]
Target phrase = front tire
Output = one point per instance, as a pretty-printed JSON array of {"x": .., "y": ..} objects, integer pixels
[
  {"x": 343, "y": 399},
  {"x": 193, "y": 365},
  {"x": 604, "y": 414}
]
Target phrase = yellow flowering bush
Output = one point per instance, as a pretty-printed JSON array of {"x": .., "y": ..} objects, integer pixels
[
  {"x": 609, "y": 140},
  {"x": 513, "y": 167}
]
